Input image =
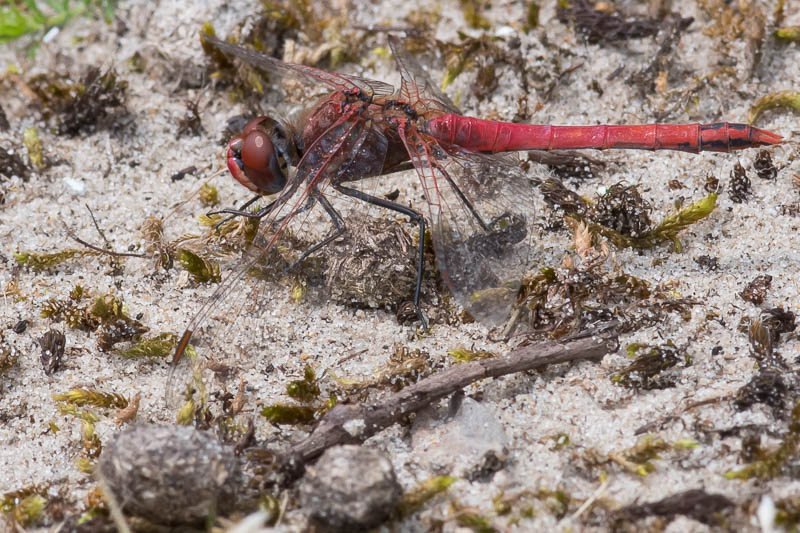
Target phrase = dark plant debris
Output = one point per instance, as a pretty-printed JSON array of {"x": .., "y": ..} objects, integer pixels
[
  {"x": 767, "y": 387},
  {"x": 645, "y": 372},
  {"x": 183, "y": 173},
  {"x": 648, "y": 78},
  {"x": 696, "y": 504},
  {"x": 623, "y": 210},
  {"x": 560, "y": 301},
  {"x": 191, "y": 124},
  {"x": 603, "y": 27},
  {"x": 775, "y": 462},
  {"x": 52, "y": 344},
  {"x": 707, "y": 262},
  {"x": 622, "y": 216},
  {"x": 764, "y": 334},
  {"x": 740, "y": 187},
  {"x": 764, "y": 167},
  {"x": 81, "y": 107},
  {"x": 568, "y": 164},
  {"x": 374, "y": 266},
  {"x": 11, "y": 164},
  {"x": 756, "y": 290}
]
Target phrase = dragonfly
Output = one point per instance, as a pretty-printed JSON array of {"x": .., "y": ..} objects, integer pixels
[{"x": 481, "y": 204}]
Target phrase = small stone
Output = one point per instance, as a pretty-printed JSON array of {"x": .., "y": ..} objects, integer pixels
[
  {"x": 351, "y": 488},
  {"x": 170, "y": 474}
]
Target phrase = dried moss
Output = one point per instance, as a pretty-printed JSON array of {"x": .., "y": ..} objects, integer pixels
[
  {"x": 462, "y": 355},
  {"x": 645, "y": 372},
  {"x": 160, "y": 346},
  {"x": 95, "y": 398},
  {"x": 33, "y": 143},
  {"x": 83, "y": 106},
  {"x": 771, "y": 464},
  {"x": 603, "y": 27},
  {"x": 41, "y": 262},
  {"x": 208, "y": 194},
  {"x": 778, "y": 100},
  {"x": 740, "y": 187},
  {"x": 52, "y": 344},
  {"x": 622, "y": 216}
]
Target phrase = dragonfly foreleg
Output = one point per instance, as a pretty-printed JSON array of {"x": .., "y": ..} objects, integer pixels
[
  {"x": 416, "y": 218},
  {"x": 240, "y": 212}
]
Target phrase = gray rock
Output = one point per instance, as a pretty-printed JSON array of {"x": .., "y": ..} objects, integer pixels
[
  {"x": 351, "y": 488},
  {"x": 170, "y": 474}
]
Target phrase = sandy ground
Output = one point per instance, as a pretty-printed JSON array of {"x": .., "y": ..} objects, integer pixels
[{"x": 124, "y": 177}]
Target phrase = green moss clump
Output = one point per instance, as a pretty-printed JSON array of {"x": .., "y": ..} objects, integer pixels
[{"x": 293, "y": 415}]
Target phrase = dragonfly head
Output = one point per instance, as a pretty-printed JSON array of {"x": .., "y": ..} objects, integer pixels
[{"x": 258, "y": 158}]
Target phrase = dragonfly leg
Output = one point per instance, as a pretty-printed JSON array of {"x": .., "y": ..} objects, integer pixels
[
  {"x": 261, "y": 213},
  {"x": 415, "y": 217},
  {"x": 240, "y": 212},
  {"x": 466, "y": 201},
  {"x": 336, "y": 220}
]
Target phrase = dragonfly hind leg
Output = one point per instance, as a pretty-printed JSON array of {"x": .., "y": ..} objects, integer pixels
[{"x": 416, "y": 218}]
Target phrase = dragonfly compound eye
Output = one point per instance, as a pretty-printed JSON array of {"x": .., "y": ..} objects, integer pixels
[{"x": 253, "y": 160}]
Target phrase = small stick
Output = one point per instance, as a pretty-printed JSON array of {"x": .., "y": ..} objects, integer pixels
[
  {"x": 354, "y": 423},
  {"x": 97, "y": 248}
]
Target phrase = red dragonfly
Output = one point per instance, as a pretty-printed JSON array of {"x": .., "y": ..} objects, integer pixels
[{"x": 481, "y": 204}]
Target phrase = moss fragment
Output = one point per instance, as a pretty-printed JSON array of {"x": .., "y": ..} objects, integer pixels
[
  {"x": 282, "y": 414},
  {"x": 304, "y": 390},
  {"x": 414, "y": 500},
  {"x": 772, "y": 463},
  {"x": 33, "y": 143},
  {"x": 95, "y": 398},
  {"x": 789, "y": 33},
  {"x": 208, "y": 194},
  {"x": 159, "y": 346},
  {"x": 462, "y": 355},
  {"x": 778, "y": 100},
  {"x": 202, "y": 270},
  {"x": 41, "y": 262}
]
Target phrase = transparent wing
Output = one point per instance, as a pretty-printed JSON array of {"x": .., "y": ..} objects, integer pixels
[
  {"x": 310, "y": 74},
  {"x": 235, "y": 319},
  {"x": 482, "y": 214},
  {"x": 482, "y": 207},
  {"x": 416, "y": 86}
]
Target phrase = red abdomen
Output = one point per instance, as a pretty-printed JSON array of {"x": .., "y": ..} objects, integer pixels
[{"x": 492, "y": 136}]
